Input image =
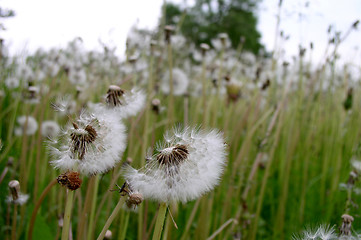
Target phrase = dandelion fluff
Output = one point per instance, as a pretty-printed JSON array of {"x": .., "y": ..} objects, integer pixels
[
  {"x": 93, "y": 145},
  {"x": 180, "y": 82},
  {"x": 26, "y": 125},
  {"x": 187, "y": 165}
]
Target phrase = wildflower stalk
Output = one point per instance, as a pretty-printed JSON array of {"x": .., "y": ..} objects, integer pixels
[
  {"x": 221, "y": 228},
  {"x": 13, "y": 227},
  {"x": 124, "y": 224},
  {"x": 204, "y": 89},
  {"x": 160, "y": 221},
  {"x": 170, "y": 109},
  {"x": 92, "y": 211},
  {"x": 111, "y": 218},
  {"x": 67, "y": 215},
  {"x": 37, "y": 206}
]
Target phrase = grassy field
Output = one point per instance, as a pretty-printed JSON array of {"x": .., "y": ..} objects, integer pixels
[{"x": 292, "y": 131}]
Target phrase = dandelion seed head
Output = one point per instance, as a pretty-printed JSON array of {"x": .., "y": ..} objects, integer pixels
[
  {"x": 185, "y": 167},
  {"x": 26, "y": 125},
  {"x": 50, "y": 129},
  {"x": 180, "y": 82},
  {"x": 92, "y": 145}
]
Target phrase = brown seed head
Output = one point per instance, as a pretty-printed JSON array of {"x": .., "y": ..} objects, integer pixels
[
  {"x": 81, "y": 138},
  {"x": 113, "y": 95},
  {"x": 173, "y": 155},
  {"x": 347, "y": 218},
  {"x": 70, "y": 180},
  {"x": 14, "y": 187}
]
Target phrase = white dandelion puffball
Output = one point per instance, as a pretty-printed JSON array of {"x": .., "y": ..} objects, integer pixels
[
  {"x": 187, "y": 165},
  {"x": 180, "y": 82},
  {"x": 26, "y": 125},
  {"x": 94, "y": 144},
  {"x": 122, "y": 103},
  {"x": 50, "y": 129}
]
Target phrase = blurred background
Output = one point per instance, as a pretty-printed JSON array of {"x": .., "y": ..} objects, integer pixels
[{"x": 46, "y": 24}]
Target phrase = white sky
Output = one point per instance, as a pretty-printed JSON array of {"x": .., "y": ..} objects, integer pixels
[{"x": 46, "y": 24}]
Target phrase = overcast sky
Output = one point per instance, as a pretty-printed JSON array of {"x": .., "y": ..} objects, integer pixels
[{"x": 46, "y": 24}]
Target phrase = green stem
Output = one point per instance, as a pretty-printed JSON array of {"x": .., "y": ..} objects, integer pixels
[
  {"x": 92, "y": 212},
  {"x": 67, "y": 215},
  {"x": 13, "y": 228},
  {"x": 111, "y": 218},
  {"x": 160, "y": 221}
]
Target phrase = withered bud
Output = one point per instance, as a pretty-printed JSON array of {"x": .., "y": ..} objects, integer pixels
[
  {"x": 355, "y": 24},
  {"x": 108, "y": 234},
  {"x": 132, "y": 59},
  {"x": 129, "y": 160},
  {"x": 153, "y": 45},
  {"x": 134, "y": 200},
  {"x": 32, "y": 92},
  {"x": 311, "y": 45},
  {"x": 285, "y": 64},
  {"x": 70, "y": 180},
  {"x": 168, "y": 33},
  {"x": 227, "y": 78},
  {"x": 266, "y": 84},
  {"x": 156, "y": 105},
  {"x": 204, "y": 48},
  {"x": 14, "y": 187},
  {"x": 223, "y": 37},
  {"x": 113, "y": 95},
  {"x": 10, "y": 162},
  {"x": 302, "y": 51},
  {"x": 345, "y": 229}
]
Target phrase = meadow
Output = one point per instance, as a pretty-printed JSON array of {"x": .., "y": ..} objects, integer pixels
[{"x": 291, "y": 134}]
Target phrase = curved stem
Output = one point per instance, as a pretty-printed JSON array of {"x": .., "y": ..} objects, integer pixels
[
  {"x": 111, "y": 218},
  {"x": 37, "y": 206},
  {"x": 160, "y": 221}
]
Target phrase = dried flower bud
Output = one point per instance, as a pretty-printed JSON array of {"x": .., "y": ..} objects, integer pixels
[
  {"x": 10, "y": 162},
  {"x": 168, "y": 33},
  {"x": 70, "y": 180},
  {"x": 132, "y": 59},
  {"x": 113, "y": 95},
  {"x": 345, "y": 229},
  {"x": 204, "y": 48},
  {"x": 355, "y": 24},
  {"x": 14, "y": 187},
  {"x": 108, "y": 234},
  {"x": 223, "y": 37},
  {"x": 156, "y": 105},
  {"x": 129, "y": 160},
  {"x": 266, "y": 84},
  {"x": 134, "y": 200}
]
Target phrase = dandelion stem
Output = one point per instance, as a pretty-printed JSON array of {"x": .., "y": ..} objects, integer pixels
[
  {"x": 111, "y": 218},
  {"x": 160, "y": 221},
  {"x": 92, "y": 211},
  {"x": 220, "y": 229},
  {"x": 13, "y": 228},
  {"x": 67, "y": 215}
]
